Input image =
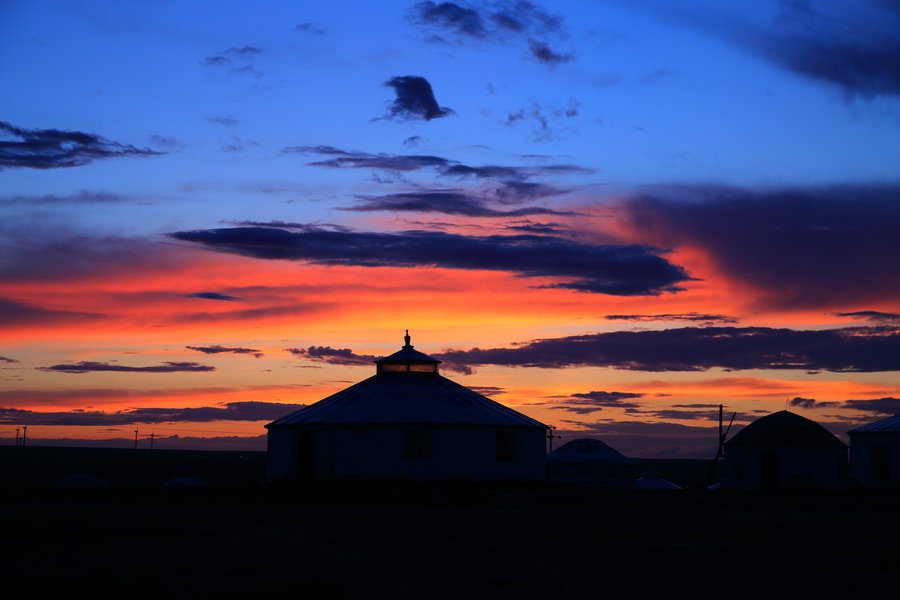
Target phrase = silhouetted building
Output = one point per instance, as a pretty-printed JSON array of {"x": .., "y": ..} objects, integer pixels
[
  {"x": 590, "y": 462},
  {"x": 406, "y": 422},
  {"x": 875, "y": 453},
  {"x": 784, "y": 451}
]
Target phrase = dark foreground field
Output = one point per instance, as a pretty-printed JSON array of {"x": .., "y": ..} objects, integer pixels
[{"x": 394, "y": 541}]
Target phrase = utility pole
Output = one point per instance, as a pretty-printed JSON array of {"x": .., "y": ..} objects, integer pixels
[
  {"x": 17, "y": 436},
  {"x": 135, "y": 438},
  {"x": 24, "y": 434},
  {"x": 550, "y": 436},
  {"x": 152, "y": 435},
  {"x": 720, "y": 448}
]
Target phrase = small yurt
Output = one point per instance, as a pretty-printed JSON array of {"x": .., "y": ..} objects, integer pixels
[
  {"x": 406, "y": 422},
  {"x": 784, "y": 451},
  {"x": 875, "y": 454},
  {"x": 589, "y": 462}
]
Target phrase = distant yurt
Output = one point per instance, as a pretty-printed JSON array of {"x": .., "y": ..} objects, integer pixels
[
  {"x": 875, "y": 454},
  {"x": 784, "y": 451},
  {"x": 653, "y": 480},
  {"x": 406, "y": 422},
  {"x": 591, "y": 463}
]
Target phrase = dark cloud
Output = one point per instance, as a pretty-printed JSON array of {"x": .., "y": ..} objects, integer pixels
[
  {"x": 545, "y": 54},
  {"x": 364, "y": 160},
  {"x": 450, "y": 16},
  {"x": 800, "y": 247},
  {"x": 415, "y": 99},
  {"x": 855, "y": 349},
  {"x": 448, "y": 202},
  {"x": 588, "y": 402},
  {"x": 7, "y": 359},
  {"x": 309, "y": 28},
  {"x": 873, "y": 316},
  {"x": 91, "y": 366},
  {"x": 18, "y": 314},
  {"x": 538, "y": 228},
  {"x": 412, "y": 141},
  {"x": 239, "y": 60},
  {"x": 346, "y": 357},
  {"x": 54, "y": 149},
  {"x": 691, "y": 316},
  {"x": 225, "y": 350},
  {"x": 487, "y": 390},
  {"x": 213, "y": 296},
  {"x": 856, "y": 48},
  {"x": 811, "y": 403},
  {"x": 230, "y": 411},
  {"x": 883, "y": 406},
  {"x": 333, "y": 356},
  {"x": 608, "y": 269},
  {"x": 502, "y": 21}
]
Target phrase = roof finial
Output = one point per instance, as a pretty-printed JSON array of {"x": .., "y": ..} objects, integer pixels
[{"x": 406, "y": 339}]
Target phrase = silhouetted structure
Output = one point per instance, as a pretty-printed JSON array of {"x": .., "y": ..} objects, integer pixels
[
  {"x": 875, "y": 453},
  {"x": 590, "y": 462},
  {"x": 406, "y": 422},
  {"x": 785, "y": 451}
]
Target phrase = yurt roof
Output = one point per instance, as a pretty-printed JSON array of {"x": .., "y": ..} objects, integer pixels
[
  {"x": 588, "y": 450},
  {"x": 407, "y": 398},
  {"x": 785, "y": 428},
  {"x": 399, "y": 393},
  {"x": 889, "y": 424}
]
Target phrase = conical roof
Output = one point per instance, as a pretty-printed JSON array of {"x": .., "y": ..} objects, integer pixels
[
  {"x": 890, "y": 424},
  {"x": 407, "y": 390},
  {"x": 588, "y": 450},
  {"x": 785, "y": 428}
]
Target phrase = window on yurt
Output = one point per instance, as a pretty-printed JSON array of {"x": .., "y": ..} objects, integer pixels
[
  {"x": 416, "y": 444},
  {"x": 506, "y": 446},
  {"x": 392, "y": 368},
  {"x": 423, "y": 368}
]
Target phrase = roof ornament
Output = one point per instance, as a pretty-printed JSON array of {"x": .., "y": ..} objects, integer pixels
[{"x": 406, "y": 339}]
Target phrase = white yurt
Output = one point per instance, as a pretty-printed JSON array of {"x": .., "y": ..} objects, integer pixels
[
  {"x": 589, "y": 462},
  {"x": 406, "y": 422},
  {"x": 784, "y": 451},
  {"x": 875, "y": 454}
]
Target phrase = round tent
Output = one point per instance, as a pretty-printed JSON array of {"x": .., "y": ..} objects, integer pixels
[
  {"x": 785, "y": 451},
  {"x": 590, "y": 462}
]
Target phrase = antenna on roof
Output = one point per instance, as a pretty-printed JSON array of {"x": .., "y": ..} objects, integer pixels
[{"x": 406, "y": 339}]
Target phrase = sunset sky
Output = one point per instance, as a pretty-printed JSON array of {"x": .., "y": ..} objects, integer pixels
[{"x": 609, "y": 215}]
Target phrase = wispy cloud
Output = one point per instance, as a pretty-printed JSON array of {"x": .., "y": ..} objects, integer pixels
[
  {"x": 54, "y": 148},
  {"x": 225, "y": 350},
  {"x": 92, "y": 366},
  {"x": 691, "y": 316}
]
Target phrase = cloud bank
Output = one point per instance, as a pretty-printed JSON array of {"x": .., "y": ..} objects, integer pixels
[{"x": 631, "y": 270}]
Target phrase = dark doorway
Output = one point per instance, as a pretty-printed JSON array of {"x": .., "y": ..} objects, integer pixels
[
  {"x": 305, "y": 458},
  {"x": 768, "y": 470}
]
